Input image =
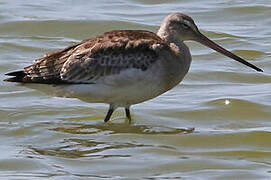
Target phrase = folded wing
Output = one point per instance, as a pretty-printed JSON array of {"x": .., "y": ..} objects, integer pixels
[{"x": 93, "y": 60}]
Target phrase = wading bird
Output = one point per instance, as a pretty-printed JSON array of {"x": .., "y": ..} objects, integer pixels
[{"x": 122, "y": 67}]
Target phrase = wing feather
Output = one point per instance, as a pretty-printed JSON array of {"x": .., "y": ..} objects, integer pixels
[
  {"x": 47, "y": 69},
  {"x": 94, "y": 59},
  {"x": 111, "y": 56}
]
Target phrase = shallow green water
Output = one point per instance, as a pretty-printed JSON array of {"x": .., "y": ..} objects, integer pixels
[{"x": 228, "y": 104}]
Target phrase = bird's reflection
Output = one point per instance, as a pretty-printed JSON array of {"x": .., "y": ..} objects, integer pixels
[
  {"x": 85, "y": 145},
  {"x": 82, "y": 144},
  {"x": 121, "y": 128}
]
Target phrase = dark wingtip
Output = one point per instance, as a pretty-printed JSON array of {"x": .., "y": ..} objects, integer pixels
[
  {"x": 15, "y": 73},
  {"x": 14, "y": 79},
  {"x": 19, "y": 75}
]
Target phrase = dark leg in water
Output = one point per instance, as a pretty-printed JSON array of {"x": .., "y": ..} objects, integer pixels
[
  {"x": 128, "y": 115},
  {"x": 109, "y": 113}
]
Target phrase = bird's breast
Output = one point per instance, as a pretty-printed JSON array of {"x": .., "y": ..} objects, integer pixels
[{"x": 176, "y": 64}]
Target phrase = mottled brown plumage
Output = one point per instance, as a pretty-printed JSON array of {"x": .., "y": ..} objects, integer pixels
[
  {"x": 122, "y": 67},
  {"x": 87, "y": 61},
  {"x": 110, "y": 54}
]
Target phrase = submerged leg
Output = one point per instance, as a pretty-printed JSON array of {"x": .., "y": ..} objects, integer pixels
[
  {"x": 128, "y": 115},
  {"x": 109, "y": 113}
]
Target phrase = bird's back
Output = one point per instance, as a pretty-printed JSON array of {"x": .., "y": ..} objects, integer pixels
[{"x": 87, "y": 61}]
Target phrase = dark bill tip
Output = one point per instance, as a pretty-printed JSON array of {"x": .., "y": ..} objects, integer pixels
[{"x": 207, "y": 42}]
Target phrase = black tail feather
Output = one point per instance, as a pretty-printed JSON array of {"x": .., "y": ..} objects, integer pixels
[
  {"x": 19, "y": 76},
  {"x": 16, "y": 73}
]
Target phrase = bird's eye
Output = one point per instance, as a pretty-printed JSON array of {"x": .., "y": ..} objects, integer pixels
[{"x": 185, "y": 26}]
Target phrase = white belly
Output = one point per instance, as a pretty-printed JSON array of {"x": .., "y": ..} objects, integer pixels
[
  {"x": 123, "y": 91},
  {"x": 129, "y": 87}
]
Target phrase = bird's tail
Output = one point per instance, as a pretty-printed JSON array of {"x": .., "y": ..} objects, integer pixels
[{"x": 18, "y": 76}]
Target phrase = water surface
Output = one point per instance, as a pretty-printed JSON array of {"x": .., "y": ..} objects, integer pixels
[{"x": 226, "y": 103}]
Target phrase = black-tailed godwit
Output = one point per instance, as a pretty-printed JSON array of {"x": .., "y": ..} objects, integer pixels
[{"x": 123, "y": 67}]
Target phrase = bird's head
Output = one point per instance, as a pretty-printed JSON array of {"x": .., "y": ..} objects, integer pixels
[{"x": 180, "y": 27}]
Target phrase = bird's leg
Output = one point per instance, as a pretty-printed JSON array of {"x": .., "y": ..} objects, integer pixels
[
  {"x": 128, "y": 115},
  {"x": 109, "y": 113}
]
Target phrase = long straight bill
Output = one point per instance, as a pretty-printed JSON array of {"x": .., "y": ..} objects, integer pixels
[{"x": 207, "y": 42}]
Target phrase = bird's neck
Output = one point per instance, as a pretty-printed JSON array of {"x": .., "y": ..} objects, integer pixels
[
  {"x": 169, "y": 38},
  {"x": 177, "y": 44},
  {"x": 164, "y": 33}
]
